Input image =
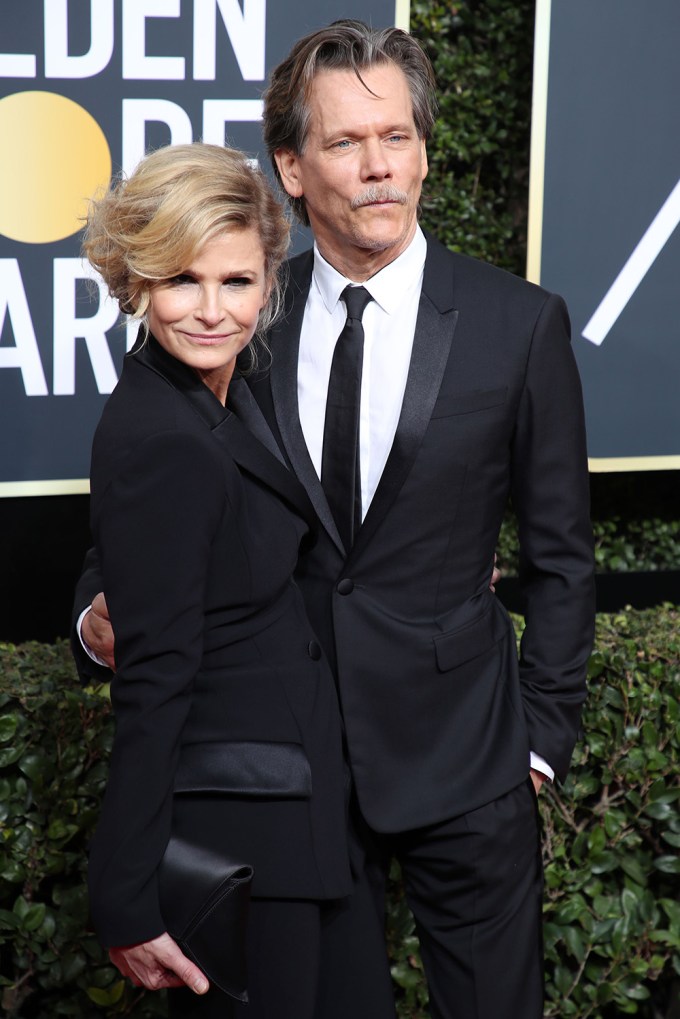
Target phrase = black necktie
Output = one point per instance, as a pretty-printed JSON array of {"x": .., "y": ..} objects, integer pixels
[{"x": 340, "y": 457}]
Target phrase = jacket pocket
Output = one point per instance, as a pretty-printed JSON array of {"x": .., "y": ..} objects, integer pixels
[
  {"x": 247, "y": 768},
  {"x": 467, "y": 402},
  {"x": 459, "y": 646}
]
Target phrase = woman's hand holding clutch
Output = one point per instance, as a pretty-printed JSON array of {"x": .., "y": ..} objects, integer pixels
[{"x": 158, "y": 963}]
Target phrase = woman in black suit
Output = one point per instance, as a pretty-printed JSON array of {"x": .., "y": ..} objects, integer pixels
[{"x": 198, "y": 524}]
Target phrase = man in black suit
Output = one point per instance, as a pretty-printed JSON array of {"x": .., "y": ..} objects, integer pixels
[{"x": 469, "y": 395}]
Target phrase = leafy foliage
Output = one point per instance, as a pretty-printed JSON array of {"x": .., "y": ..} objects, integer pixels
[
  {"x": 54, "y": 743},
  {"x": 475, "y": 195},
  {"x": 612, "y": 920},
  {"x": 611, "y": 834},
  {"x": 622, "y": 545}
]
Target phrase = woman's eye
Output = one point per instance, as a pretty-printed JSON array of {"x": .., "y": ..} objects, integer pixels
[
  {"x": 180, "y": 278},
  {"x": 238, "y": 281}
]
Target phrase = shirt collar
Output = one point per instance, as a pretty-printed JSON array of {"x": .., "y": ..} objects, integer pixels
[{"x": 388, "y": 288}]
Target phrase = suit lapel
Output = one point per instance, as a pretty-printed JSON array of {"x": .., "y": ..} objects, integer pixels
[
  {"x": 242, "y": 402},
  {"x": 254, "y": 459},
  {"x": 285, "y": 344},
  {"x": 240, "y": 428},
  {"x": 435, "y": 327}
]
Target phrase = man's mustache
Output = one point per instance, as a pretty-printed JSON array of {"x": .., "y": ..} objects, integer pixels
[{"x": 379, "y": 193}]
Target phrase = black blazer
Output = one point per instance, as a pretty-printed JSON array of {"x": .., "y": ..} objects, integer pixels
[
  {"x": 439, "y": 714},
  {"x": 197, "y": 527}
]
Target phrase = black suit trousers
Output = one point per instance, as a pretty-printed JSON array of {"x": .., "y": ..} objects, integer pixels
[{"x": 474, "y": 885}]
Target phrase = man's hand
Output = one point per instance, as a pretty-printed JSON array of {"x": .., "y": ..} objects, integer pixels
[
  {"x": 495, "y": 574},
  {"x": 97, "y": 631},
  {"x": 158, "y": 963},
  {"x": 538, "y": 778}
]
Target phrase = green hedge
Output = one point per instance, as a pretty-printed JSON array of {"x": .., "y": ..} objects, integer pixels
[
  {"x": 55, "y": 739},
  {"x": 611, "y": 833},
  {"x": 475, "y": 194},
  {"x": 621, "y": 545}
]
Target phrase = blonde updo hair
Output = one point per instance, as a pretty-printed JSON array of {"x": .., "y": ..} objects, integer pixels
[{"x": 149, "y": 227}]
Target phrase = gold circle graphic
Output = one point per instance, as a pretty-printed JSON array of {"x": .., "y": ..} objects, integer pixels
[{"x": 54, "y": 158}]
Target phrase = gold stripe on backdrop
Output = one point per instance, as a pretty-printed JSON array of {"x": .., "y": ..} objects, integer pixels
[
  {"x": 604, "y": 464},
  {"x": 402, "y": 14},
  {"x": 539, "y": 116},
  {"x": 12, "y": 489}
]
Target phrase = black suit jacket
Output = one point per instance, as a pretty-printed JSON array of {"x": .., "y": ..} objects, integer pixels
[
  {"x": 197, "y": 527},
  {"x": 439, "y": 713}
]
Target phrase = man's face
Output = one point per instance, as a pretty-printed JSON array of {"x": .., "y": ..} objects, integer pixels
[{"x": 362, "y": 168}]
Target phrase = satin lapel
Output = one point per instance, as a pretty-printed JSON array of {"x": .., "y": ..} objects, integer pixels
[
  {"x": 253, "y": 458},
  {"x": 246, "y": 409},
  {"x": 435, "y": 327},
  {"x": 257, "y": 454},
  {"x": 285, "y": 345}
]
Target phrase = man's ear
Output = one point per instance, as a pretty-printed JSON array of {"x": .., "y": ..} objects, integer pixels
[
  {"x": 289, "y": 168},
  {"x": 423, "y": 159}
]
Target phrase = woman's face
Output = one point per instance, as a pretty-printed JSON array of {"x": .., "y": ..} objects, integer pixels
[{"x": 207, "y": 314}]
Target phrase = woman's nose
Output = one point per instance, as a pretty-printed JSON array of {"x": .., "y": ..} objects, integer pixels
[{"x": 211, "y": 307}]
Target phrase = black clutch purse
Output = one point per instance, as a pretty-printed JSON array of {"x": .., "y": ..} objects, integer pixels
[
  {"x": 204, "y": 901},
  {"x": 204, "y": 895}
]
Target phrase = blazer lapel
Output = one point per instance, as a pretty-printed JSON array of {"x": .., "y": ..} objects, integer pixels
[
  {"x": 253, "y": 458},
  {"x": 242, "y": 402},
  {"x": 435, "y": 327},
  {"x": 239, "y": 428},
  {"x": 285, "y": 344}
]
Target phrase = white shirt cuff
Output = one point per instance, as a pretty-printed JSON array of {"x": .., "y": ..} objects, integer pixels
[
  {"x": 538, "y": 764},
  {"x": 86, "y": 647}
]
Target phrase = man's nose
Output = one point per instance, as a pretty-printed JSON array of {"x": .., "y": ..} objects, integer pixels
[{"x": 375, "y": 164}]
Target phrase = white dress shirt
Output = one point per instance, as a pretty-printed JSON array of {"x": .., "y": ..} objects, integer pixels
[{"x": 389, "y": 322}]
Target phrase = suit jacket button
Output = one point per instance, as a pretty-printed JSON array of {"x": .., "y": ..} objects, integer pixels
[
  {"x": 314, "y": 650},
  {"x": 346, "y": 586}
]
